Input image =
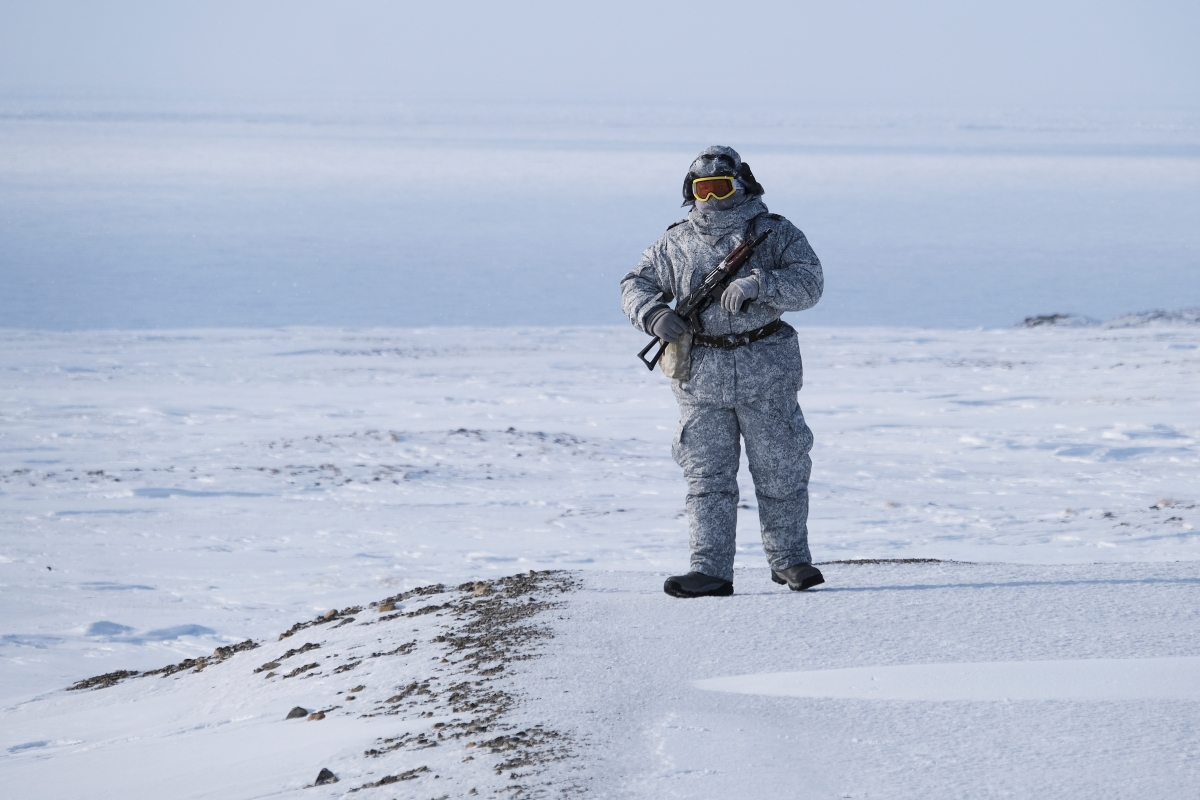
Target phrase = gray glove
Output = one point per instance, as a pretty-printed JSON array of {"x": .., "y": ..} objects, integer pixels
[
  {"x": 665, "y": 324},
  {"x": 739, "y": 292}
]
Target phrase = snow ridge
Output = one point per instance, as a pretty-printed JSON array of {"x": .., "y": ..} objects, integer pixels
[{"x": 456, "y": 724}]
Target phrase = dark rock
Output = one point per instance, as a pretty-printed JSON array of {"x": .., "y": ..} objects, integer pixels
[
  {"x": 324, "y": 777},
  {"x": 228, "y": 650},
  {"x": 409, "y": 775},
  {"x": 1185, "y": 316},
  {"x": 1045, "y": 319},
  {"x": 1060, "y": 320},
  {"x": 298, "y": 650},
  {"x": 297, "y": 713},
  {"x": 102, "y": 681},
  {"x": 113, "y": 678},
  {"x": 300, "y": 670}
]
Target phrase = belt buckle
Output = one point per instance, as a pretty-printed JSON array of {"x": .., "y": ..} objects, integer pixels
[{"x": 741, "y": 339}]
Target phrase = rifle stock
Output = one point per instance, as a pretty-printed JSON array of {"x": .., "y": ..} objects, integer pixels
[{"x": 651, "y": 363}]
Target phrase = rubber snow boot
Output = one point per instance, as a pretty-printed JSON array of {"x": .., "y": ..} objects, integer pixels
[
  {"x": 696, "y": 584},
  {"x": 798, "y": 577}
]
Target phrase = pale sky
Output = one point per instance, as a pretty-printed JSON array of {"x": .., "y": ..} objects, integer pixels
[{"x": 929, "y": 53}]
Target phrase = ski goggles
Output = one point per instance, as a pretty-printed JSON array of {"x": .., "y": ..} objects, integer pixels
[{"x": 718, "y": 187}]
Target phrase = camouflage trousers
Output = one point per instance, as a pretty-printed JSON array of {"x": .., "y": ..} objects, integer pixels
[{"x": 708, "y": 448}]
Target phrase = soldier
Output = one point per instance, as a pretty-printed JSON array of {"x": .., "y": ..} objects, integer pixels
[{"x": 745, "y": 371}]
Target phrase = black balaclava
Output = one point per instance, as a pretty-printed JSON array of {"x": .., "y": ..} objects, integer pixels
[{"x": 715, "y": 219}]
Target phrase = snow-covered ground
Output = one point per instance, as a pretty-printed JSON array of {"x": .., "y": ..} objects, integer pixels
[
  {"x": 643, "y": 669},
  {"x": 164, "y": 493}
]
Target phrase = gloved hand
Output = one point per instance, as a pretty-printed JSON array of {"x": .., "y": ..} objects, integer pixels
[
  {"x": 738, "y": 292},
  {"x": 666, "y": 324}
]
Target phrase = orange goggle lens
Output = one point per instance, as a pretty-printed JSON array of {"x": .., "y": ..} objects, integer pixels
[{"x": 717, "y": 188}]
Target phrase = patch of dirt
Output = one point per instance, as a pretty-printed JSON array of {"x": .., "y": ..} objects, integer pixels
[
  {"x": 294, "y": 652},
  {"x": 328, "y": 616},
  {"x": 196, "y": 664},
  {"x": 493, "y": 628},
  {"x": 408, "y": 775},
  {"x": 102, "y": 681}
]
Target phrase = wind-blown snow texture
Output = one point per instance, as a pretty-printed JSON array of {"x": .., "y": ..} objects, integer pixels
[{"x": 163, "y": 494}]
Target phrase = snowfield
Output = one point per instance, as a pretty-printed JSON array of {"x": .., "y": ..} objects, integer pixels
[{"x": 167, "y": 496}]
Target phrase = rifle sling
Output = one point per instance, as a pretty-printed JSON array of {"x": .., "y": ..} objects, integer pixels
[{"x": 732, "y": 341}]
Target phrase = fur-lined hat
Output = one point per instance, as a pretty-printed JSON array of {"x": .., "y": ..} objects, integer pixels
[{"x": 720, "y": 160}]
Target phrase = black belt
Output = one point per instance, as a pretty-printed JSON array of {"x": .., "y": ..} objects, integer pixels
[{"x": 731, "y": 341}]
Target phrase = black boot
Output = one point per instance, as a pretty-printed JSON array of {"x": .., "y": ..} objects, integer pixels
[
  {"x": 695, "y": 584},
  {"x": 798, "y": 577}
]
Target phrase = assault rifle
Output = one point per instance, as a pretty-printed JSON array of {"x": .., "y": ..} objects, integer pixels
[{"x": 694, "y": 304}]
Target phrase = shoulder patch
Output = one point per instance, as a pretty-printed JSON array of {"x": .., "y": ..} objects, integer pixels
[
  {"x": 776, "y": 217},
  {"x": 673, "y": 224}
]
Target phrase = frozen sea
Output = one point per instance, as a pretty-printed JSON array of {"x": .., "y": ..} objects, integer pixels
[{"x": 138, "y": 216}]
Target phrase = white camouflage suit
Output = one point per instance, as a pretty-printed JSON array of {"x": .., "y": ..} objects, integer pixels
[{"x": 748, "y": 392}]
